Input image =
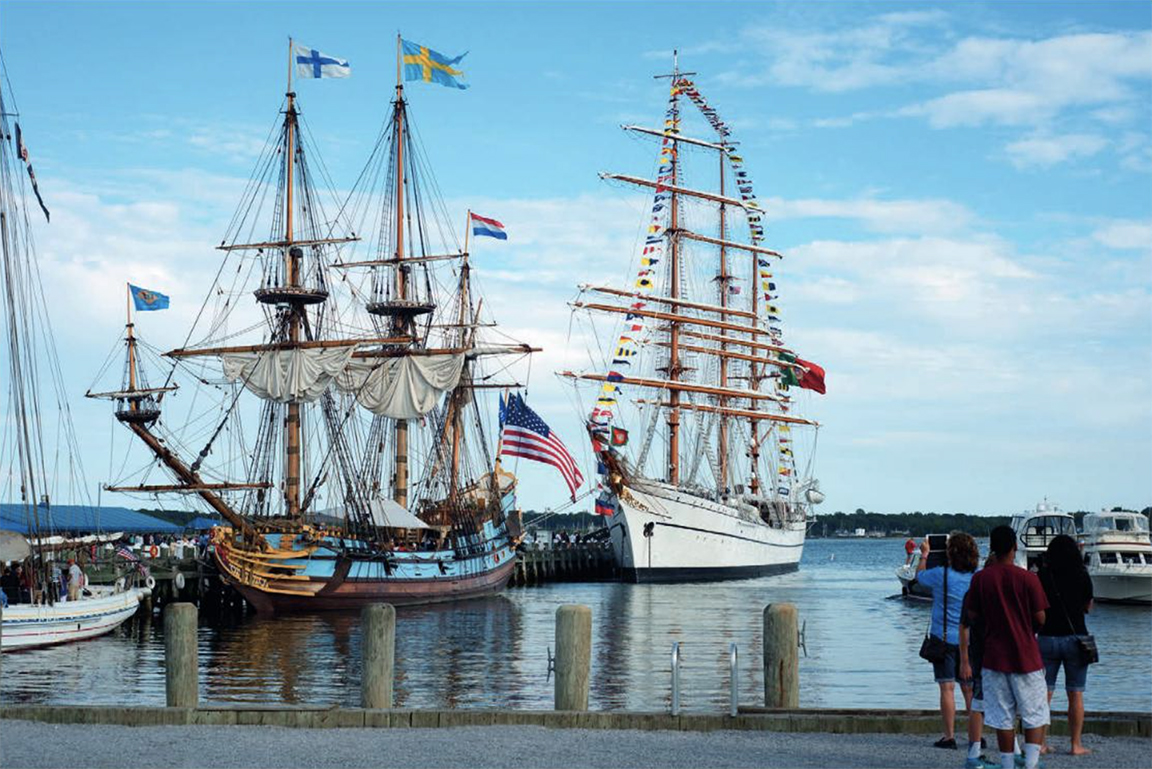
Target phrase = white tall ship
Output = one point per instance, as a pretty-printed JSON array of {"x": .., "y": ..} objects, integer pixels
[
  {"x": 1118, "y": 555},
  {"x": 697, "y": 381}
]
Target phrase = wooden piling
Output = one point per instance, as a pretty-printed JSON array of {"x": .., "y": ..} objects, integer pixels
[
  {"x": 573, "y": 657},
  {"x": 781, "y": 656},
  {"x": 378, "y": 648},
  {"x": 181, "y": 655}
]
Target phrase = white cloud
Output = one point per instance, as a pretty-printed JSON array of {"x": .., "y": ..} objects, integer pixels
[
  {"x": 906, "y": 216},
  {"x": 1125, "y": 235},
  {"x": 1047, "y": 150}
]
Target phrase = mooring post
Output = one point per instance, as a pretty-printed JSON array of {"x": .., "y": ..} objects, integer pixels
[
  {"x": 573, "y": 656},
  {"x": 781, "y": 656},
  {"x": 378, "y": 647},
  {"x": 181, "y": 656}
]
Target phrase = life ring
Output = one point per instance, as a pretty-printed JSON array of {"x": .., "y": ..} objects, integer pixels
[
  {"x": 179, "y": 580},
  {"x": 149, "y": 582},
  {"x": 153, "y": 552}
]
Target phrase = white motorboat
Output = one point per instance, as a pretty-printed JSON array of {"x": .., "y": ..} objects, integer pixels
[
  {"x": 1118, "y": 555},
  {"x": 1036, "y": 529}
]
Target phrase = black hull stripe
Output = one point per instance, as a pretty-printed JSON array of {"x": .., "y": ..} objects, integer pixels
[{"x": 706, "y": 574}]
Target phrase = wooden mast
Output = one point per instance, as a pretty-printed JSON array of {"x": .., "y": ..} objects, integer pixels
[
  {"x": 455, "y": 412},
  {"x": 133, "y": 404},
  {"x": 292, "y": 274},
  {"x": 723, "y": 278},
  {"x": 674, "y": 293},
  {"x": 400, "y": 483}
]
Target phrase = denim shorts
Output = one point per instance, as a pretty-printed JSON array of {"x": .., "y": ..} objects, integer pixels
[
  {"x": 1057, "y": 650},
  {"x": 945, "y": 669}
]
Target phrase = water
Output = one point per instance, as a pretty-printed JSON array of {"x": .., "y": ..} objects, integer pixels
[{"x": 861, "y": 648}]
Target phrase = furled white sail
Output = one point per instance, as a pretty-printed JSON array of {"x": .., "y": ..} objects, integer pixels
[
  {"x": 287, "y": 376},
  {"x": 402, "y": 388}
]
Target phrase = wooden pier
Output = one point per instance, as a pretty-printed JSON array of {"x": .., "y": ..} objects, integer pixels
[{"x": 537, "y": 564}]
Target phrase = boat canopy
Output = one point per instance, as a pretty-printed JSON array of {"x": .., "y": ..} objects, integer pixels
[{"x": 81, "y": 519}]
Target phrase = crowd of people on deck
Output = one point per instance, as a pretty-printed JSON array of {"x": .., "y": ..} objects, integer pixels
[
  {"x": 18, "y": 585},
  {"x": 1007, "y": 632}
]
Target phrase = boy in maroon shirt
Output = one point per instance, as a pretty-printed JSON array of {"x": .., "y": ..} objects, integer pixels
[{"x": 1011, "y": 602}]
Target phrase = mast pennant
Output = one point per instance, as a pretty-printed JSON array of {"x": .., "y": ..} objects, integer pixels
[{"x": 314, "y": 64}]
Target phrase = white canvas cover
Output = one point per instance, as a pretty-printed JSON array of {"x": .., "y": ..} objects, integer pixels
[
  {"x": 287, "y": 376},
  {"x": 402, "y": 388},
  {"x": 384, "y": 512}
]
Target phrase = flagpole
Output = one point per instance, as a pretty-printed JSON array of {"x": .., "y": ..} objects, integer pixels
[
  {"x": 399, "y": 58},
  {"x": 467, "y": 228},
  {"x": 289, "y": 64}
]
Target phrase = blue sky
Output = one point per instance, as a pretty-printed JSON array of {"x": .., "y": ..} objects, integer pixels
[{"x": 962, "y": 193}]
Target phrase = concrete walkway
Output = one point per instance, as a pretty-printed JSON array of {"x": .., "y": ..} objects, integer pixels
[{"x": 29, "y": 745}]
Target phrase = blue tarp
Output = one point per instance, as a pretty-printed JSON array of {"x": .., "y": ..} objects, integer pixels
[
  {"x": 203, "y": 523},
  {"x": 84, "y": 519}
]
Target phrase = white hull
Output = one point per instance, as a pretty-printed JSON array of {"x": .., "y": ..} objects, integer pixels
[
  {"x": 1122, "y": 584},
  {"x": 26, "y": 626},
  {"x": 692, "y": 538}
]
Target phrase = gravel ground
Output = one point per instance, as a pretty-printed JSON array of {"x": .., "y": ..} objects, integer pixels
[{"x": 30, "y": 744}]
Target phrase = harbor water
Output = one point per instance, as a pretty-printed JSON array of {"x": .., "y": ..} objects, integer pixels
[{"x": 860, "y": 642}]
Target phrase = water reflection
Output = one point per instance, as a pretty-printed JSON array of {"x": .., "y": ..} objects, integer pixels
[{"x": 861, "y": 648}]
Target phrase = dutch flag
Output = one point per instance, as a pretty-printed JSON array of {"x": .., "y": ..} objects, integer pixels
[{"x": 489, "y": 227}]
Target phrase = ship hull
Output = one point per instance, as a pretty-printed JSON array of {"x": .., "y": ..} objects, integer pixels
[
  {"x": 28, "y": 626},
  {"x": 662, "y": 534},
  {"x": 340, "y": 576}
]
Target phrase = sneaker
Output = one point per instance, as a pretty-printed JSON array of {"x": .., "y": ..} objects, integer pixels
[
  {"x": 977, "y": 763},
  {"x": 948, "y": 743}
]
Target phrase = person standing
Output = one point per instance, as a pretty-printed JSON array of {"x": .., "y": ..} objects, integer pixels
[
  {"x": 1069, "y": 591},
  {"x": 1011, "y": 603},
  {"x": 75, "y": 580},
  {"x": 909, "y": 549},
  {"x": 949, "y": 585}
]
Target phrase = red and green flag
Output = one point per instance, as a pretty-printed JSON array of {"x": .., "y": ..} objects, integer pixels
[{"x": 809, "y": 376}]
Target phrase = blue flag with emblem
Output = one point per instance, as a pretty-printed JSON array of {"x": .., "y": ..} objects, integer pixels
[
  {"x": 422, "y": 63},
  {"x": 312, "y": 63},
  {"x": 147, "y": 300}
]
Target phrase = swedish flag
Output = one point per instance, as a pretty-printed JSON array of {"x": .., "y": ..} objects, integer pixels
[{"x": 422, "y": 63}]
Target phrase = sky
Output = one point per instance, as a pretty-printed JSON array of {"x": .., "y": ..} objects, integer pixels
[{"x": 961, "y": 192}]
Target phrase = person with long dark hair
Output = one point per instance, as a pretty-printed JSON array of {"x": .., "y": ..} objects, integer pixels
[
  {"x": 949, "y": 585},
  {"x": 1069, "y": 590}
]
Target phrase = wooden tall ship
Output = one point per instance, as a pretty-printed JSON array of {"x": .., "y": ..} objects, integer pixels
[
  {"x": 695, "y": 425},
  {"x": 349, "y": 448}
]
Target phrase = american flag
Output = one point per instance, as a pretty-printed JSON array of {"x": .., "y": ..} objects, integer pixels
[
  {"x": 525, "y": 435},
  {"x": 127, "y": 554}
]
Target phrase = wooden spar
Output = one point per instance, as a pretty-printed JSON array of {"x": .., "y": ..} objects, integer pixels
[
  {"x": 668, "y": 300},
  {"x": 189, "y": 476},
  {"x": 672, "y": 318},
  {"x": 674, "y": 336},
  {"x": 471, "y": 352},
  {"x": 293, "y": 443},
  {"x": 727, "y": 354},
  {"x": 725, "y": 243},
  {"x": 755, "y": 416},
  {"x": 675, "y": 137},
  {"x": 400, "y": 463},
  {"x": 283, "y": 244},
  {"x": 408, "y": 260},
  {"x": 128, "y": 394},
  {"x": 734, "y": 340},
  {"x": 674, "y": 387},
  {"x": 675, "y": 190},
  {"x": 304, "y": 345},
  {"x": 188, "y": 487},
  {"x": 722, "y": 283}
]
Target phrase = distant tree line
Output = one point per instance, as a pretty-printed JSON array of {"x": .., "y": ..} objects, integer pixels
[{"x": 918, "y": 524}]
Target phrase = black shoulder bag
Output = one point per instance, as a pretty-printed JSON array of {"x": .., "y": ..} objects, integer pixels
[
  {"x": 935, "y": 649},
  {"x": 1086, "y": 643}
]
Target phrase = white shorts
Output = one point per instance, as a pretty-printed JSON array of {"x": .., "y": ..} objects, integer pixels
[{"x": 1008, "y": 695}]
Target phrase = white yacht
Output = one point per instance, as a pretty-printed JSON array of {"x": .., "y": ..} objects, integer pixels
[
  {"x": 1034, "y": 530},
  {"x": 1118, "y": 554}
]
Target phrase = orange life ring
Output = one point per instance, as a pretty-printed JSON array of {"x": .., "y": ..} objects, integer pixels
[{"x": 154, "y": 552}]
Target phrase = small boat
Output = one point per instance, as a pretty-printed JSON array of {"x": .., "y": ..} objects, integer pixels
[
  {"x": 38, "y": 616},
  {"x": 1036, "y": 529},
  {"x": 1118, "y": 554},
  {"x": 909, "y": 587}
]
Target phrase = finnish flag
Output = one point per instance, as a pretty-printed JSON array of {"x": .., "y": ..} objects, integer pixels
[{"x": 313, "y": 63}]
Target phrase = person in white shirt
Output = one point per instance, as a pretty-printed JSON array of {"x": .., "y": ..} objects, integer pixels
[{"x": 75, "y": 580}]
